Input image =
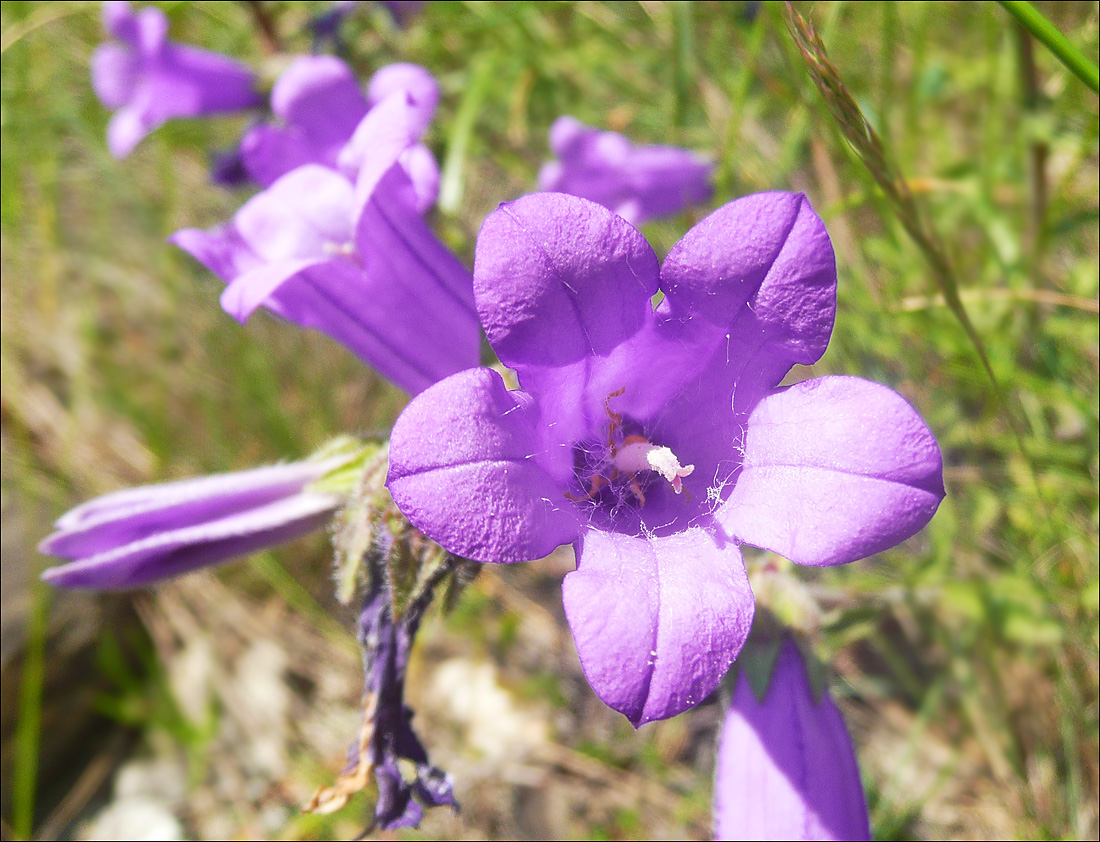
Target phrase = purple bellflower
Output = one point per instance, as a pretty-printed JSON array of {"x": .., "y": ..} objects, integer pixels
[
  {"x": 637, "y": 182},
  {"x": 656, "y": 441},
  {"x": 319, "y": 106},
  {"x": 786, "y": 766},
  {"x": 355, "y": 261},
  {"x": 149, "y": 80},
  {"x": 141, "y": 535}
]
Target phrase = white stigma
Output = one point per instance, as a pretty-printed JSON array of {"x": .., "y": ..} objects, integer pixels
[{"x": 646, "y": 456}]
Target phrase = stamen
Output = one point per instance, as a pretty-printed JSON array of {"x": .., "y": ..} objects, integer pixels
[{"x": 639, "y": 454}]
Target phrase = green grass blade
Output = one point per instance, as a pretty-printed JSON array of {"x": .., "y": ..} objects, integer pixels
[
  {"x": 1055, "y": 41},
  {"x": 28, "y": 730}
]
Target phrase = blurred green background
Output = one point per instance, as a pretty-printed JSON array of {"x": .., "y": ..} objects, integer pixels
[{"x": 965, "y": 660}]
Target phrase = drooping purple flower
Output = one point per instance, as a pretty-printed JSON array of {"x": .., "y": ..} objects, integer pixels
[
  {"x": 149, "y": 80},
  {"x": 319, "y": 104},
  {"x": 403, "y": 11},
  {"x": 357, "y": 262},
  {"x": 786, "y": 767},
  {"x": 637, "y": 182},
  {"x": 656, "y": 441},
  {"x": 142, "y": 535}
]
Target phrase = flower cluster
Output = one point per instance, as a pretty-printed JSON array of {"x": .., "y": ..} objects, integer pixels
[{"x": 652, "y": 428}]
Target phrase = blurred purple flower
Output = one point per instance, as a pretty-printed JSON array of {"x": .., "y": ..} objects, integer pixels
[
  {"x": 148, "y": 79},
  {"x": 637, "y": 182},
  {"x": 356, "y": 262},
  {"x": 624, "y": 407},
  {"x": 141, "y": 535},
  {"x": 786, "y": 766},
  {"x": 326, "y": 25},
  {"x": 319, "y": 105},
  {"x": 404, "y": 11}
]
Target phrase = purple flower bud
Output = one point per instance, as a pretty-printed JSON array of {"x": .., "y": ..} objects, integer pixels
[
  {"x": 637, "y": 182},
  {"x": 141, "y": 535},
  {"x": 786, "y": 766},
  {"x": 148, "y": 79}
]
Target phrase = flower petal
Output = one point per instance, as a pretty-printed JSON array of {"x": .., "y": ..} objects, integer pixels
[
  {"x": 461, "y": 470},
  {"x": 305, "y": 214},
  {"x": 657, "y": 621},
  {"x": 269, "y": 152},
  {"x": 204, "y": 82},
  {"x": 835, "y": 469},
  {"x": 136, "y": 513},
  {"x": 786, "y": 767},
  {"x": 221, "y": 250},
  {"x": 320, "y": 96},
  {"x": 418, "y": 84},
  {"x": 126, "y": 129},
  {"x": 760, "y": 275},
  {"x": 115, "y": 72},
  {"x": 166, "y": 554},
  {"x": 254, "y": 288},
  {"x": 558, "y": 279}
]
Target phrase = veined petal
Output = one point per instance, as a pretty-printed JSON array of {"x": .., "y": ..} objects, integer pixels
[
  {"x": 835, "y": 469},
  {"x": 166, "y": 554},
  {"x": 657, "y": 621},
  {"x": 760, "y": 275},
  {"x": 786, "y": 768},
  {"x": 381, "y": 320},
  {"x": 379, "y": 141},
  {"x": 558, "y": 279},
  {"x": 462, "y": 470}
]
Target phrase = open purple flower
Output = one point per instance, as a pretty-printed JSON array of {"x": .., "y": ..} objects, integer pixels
[
  {"x": 319, "y": 105},
  {"x": 656, "y": 441},
  {"x": 148, "y": 79},
  {"x": 141, "y": 535},
  {"x": 786, "y": 766},
  {"x": 637, "y": 182},
  {"x": 357, "y": 262}
]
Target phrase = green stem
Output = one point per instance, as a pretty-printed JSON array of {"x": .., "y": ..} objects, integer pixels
[{"x": 1055, "y": 41}]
